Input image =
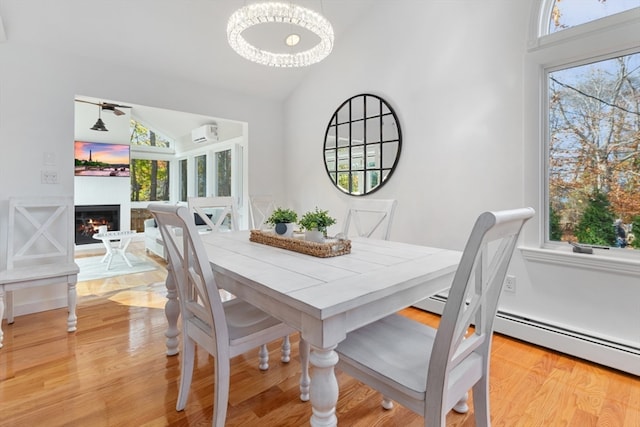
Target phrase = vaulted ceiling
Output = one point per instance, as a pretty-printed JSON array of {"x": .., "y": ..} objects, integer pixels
[{"x": 184, "y": 39}]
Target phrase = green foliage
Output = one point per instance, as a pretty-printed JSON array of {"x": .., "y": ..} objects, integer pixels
[
  {"x": 149, "y": 180},
  {"x": 345, "y": 178},
  {"x": 635, "y": 231},
  {"x": 281, "y": 215},
  {"x": 92, "y": 164},
  {"x": 316, "y": 219},
  {"x": 555, "y": 231},
  {"x": 142, "y": 135},
  {"x": 596, "y": 225}
]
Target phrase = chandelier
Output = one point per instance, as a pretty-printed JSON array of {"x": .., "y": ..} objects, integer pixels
[{"x": 284, "y": 13}]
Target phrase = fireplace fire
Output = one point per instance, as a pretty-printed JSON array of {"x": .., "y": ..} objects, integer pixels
[{"x": 89, "y": 218}]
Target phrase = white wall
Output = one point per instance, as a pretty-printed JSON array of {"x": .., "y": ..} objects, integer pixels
[
  {"x": 457, "y": 98},
  {"x": 37, "y": 91},
  {"x": 455, "y": 74}
]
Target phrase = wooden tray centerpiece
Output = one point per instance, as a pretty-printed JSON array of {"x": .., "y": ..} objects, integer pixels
[{"x": 330, "y": 248}]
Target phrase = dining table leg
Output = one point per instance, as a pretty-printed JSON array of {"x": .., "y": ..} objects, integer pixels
[
  {"x": 171, "y": 311},
  {"x": 324, "y": 387}
]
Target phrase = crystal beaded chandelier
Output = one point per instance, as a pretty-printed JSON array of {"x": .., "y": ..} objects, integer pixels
[{"x": 285, "y": 13}]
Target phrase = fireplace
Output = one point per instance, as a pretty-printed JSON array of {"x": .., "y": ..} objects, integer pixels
[{"x": 89, "y": 218}]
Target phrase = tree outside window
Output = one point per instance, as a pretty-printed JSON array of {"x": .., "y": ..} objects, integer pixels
[
  {"x": 183, "y": 180},
  {"x": 224, "y": 173},
  {"x": 201, "y": 175},
  {"x": 594, "y": 152},
  {"x": 149, "y": 178}
]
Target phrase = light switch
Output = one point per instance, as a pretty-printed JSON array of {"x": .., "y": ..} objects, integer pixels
[{"x": 49, "y": 159}]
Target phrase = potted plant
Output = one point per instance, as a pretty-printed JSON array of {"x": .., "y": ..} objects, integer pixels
[
  {"x": 315, "y": 224},
  {"x": 283, "y": 221}
]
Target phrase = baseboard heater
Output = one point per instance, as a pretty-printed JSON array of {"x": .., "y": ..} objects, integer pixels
[{"x": 623, "y": 357}]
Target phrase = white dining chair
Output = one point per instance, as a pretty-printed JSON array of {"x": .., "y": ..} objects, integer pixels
[
  {"x": 260, "y": 207},
  {"x": 431, "y": 370},
  {"x": 369, "y": 218},
  {"x": 40, "y": 241},
  {"x": 212, "y": 211},
  {"x": 224, "y": 329},
  {"x": 218, "y": 213}
]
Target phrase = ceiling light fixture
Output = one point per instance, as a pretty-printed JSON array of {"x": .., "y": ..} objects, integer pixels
[
  {"x": 99, "y": 123},
  {"x": 292, "y": 39},
  {"x": 285, "y": 13}
]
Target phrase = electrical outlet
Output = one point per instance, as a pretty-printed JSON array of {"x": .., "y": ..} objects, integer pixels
[
  {"x": 510, "y": 284},
  {"x": 49, "y": 177}
]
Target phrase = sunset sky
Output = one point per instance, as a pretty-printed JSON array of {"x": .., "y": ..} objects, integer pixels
[{"x": 101, "y": 152}]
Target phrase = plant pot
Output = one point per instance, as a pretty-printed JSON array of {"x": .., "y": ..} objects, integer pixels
[
  {"x": 314, "y": 236},
  {"x": 284, "y": 229}
]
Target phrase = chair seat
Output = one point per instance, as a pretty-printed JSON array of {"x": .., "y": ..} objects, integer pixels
[
  {"x": 244, "y": 320},
  {"x": 405, "y": 360},
  {"x": 37, "y": 272}
]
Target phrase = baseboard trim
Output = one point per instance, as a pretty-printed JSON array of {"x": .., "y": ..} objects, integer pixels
[
  {"x": 39, "y": 306},
  {"x": 609, "y": 353}
]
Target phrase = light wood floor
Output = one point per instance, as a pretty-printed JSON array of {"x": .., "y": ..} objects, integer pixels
[{"x": 114, "y": 372}]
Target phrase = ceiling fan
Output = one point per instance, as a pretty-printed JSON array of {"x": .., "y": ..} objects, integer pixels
[{"x": 107, "y": 106}]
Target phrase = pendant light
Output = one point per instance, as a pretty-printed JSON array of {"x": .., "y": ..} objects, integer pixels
[{"x": 99, "y": 123}]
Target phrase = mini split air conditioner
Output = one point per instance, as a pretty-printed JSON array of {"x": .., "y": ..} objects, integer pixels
[{"x": 206, "y": 133}]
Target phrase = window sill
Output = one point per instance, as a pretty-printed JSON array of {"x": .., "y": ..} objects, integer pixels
[{"x": 600, "y": 260}]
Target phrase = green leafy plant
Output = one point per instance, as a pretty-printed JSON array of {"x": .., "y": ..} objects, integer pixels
[
  {"x": 633, "y": 237},
  {"x": 596, "y": 224},
  {"x": 555, "y": 229},
  {"x": 316, "y": 219},
  {"x": 281, "y": 215}
]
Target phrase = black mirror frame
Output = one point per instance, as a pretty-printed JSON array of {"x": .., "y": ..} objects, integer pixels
[{"x": 385, "y": 110}]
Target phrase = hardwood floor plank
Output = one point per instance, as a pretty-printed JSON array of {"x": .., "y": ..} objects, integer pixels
[{"x": 114, "y": 372}]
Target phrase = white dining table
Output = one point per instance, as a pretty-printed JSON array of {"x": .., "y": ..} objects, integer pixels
[{"x": 323, "y": 298}]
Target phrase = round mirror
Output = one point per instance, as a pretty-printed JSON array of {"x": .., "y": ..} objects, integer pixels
[{"x": 362, "y": 144}]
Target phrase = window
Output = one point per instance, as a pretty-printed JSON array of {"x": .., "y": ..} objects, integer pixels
[
  {"x": 149, "y": 180},
  {"x": 183, "y": 188},
  {"x": 150, "y": 164},
  {"x": 224, "y": 171},
  {"x": 569, "y": 13},
  {"x": 143, "y": 136},
  {"x": 201, "y": 175},
  {"x": 592, "y": 123},
  {"x": 594, "y": 152}
]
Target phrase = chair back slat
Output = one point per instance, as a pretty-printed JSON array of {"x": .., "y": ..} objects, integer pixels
[
  {"x": 466, "y": 325},
  {"x": 261, "y": 207},
  {"x": 214, "y": 211},
  {"x": 40, "y": 229},
  {"x": 370, "y": 218}
]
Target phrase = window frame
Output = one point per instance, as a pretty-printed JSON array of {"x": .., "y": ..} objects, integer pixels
[
  {"x": 182, "y": 160},
  {"x": 604, "y": 38},
  {"x": 147, "y": 154},
  {"x": 195, "y": 176}
]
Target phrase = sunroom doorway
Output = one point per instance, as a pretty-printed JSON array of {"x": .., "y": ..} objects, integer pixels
[{"x": 169, "y": 160}]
